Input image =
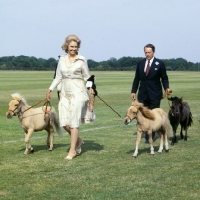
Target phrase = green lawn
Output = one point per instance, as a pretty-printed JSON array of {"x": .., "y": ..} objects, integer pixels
[{"x": 106, "y": 169}]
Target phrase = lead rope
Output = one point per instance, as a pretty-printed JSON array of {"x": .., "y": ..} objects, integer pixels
[
  {"x": 165, "y": 94},
  {"x": 34, "y": 105},
  {"x": 110, "y": 107},
  {"x": 46, "y": 104},
  {"x": 45, "y": 111}
]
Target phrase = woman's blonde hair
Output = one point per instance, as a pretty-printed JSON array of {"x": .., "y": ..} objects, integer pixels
[{"x": 68, "y": 40}]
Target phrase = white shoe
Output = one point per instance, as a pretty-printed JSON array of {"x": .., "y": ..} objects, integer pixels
[{"x": 78, "y": 149}]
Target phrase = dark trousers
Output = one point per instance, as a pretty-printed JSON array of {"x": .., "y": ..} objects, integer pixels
[{"x": 150, "y": 104}]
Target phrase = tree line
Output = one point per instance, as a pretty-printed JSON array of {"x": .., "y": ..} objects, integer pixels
[{"x": 113, "y": 64}]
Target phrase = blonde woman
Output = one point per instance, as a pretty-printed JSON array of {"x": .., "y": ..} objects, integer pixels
[{"x": 72, "y": 70}]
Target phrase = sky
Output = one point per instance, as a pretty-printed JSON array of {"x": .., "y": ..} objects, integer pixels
[{"x": 107, "y": 28}]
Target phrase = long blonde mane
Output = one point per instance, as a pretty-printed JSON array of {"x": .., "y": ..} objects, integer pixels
[
  {"x": 147, "y": 113},
  {"x": 19, "y": 97}
]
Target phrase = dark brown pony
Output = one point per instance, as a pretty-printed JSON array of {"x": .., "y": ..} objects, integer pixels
[{"x": 179, "y": 113}]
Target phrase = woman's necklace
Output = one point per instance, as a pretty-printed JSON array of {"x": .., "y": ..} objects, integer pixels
[{"x": 70, "y": 62}]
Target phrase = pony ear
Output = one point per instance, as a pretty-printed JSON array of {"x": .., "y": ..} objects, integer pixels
[
  {"x": 169, "y": 98},
  {"x": 181, "y": 101}
]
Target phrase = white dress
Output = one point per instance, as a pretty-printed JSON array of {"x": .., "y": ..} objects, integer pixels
[{"x": 73, "y": 95}]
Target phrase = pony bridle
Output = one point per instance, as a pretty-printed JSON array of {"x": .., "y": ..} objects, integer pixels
[
  {"x": 129, "y": 118},
  {"x": 133, "y": 117},
  {"x": 173, "y": 111},
  {"x": 17, "y": 107}
]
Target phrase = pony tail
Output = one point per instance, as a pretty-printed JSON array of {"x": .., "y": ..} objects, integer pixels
[
  {"x": 190, "y": 120},
  {"x": 55, "y": 121}
]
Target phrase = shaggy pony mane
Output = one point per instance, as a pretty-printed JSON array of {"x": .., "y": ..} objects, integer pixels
[
  {"x": 147, "y": 113},
  {"x": 19, "y": 97}
]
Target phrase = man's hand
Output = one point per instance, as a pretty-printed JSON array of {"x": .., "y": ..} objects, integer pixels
[
  {"x": 168, "y": 91},
  {"x": 133, "y": 96}
]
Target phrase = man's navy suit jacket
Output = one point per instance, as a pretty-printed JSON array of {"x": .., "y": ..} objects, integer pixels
[{"x": 150, "y": 87}]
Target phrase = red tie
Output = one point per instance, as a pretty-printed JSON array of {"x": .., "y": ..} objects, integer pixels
[{"x": 148, "y": 67}]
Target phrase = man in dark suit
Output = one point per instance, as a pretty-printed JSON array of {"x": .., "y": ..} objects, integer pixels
[{"x": 150, "y": 76}]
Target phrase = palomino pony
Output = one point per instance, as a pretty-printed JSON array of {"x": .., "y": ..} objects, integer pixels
[
  {"x": 179, "y": 113},
  {"x": 33, "y": 120},
  {"x": 149, "y": 121}
]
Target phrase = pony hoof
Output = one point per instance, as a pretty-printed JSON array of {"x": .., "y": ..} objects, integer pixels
[
  {"x": 167, "y": 150},
  {"x": 50, "y": 149},
  {"x": 32, "y": 150},
  {"x": 151, "y": 154},
  {"x": 159, "y": 152}
]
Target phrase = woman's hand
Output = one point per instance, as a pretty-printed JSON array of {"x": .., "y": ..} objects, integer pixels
[
  {"x": 92, "y": 91},
  {"x": 48, "y": 95}
]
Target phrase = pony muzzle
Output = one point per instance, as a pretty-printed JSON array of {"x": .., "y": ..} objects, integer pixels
[
  {"x": 126, "y": 120},
  {"x": 9, "y": 114}
]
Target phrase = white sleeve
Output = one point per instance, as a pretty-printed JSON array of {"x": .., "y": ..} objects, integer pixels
[
  {"x": 85, "y": 71},
  {"x": 57, "y": 79}
]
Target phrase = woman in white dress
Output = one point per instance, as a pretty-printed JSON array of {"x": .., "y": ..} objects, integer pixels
[{"x": 71, "y": 70}]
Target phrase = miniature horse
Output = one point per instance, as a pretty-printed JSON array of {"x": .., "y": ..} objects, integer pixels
[
  {"x": 149, "y": 121},
  {"x": 33, "y": 120},
  {"x": 179, "y": 113}
]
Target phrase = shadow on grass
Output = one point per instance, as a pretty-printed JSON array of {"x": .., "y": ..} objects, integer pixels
[
  {"x": 146, "y": 151},
  {"x": 142, "y": 150},
  {"x": 178, "y": 139},
  {"x": 90, "y": 145},
  {"x": 44, "y": 147}
]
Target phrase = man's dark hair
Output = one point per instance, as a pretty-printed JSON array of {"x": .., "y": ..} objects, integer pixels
[{"x": 150, "y": 46}]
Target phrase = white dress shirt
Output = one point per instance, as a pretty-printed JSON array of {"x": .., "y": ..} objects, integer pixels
[{"x": 147, "y": 63}]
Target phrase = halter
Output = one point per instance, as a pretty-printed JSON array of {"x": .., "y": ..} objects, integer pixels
[
  {"x": 13, "y": 111},
  {"x": 173, "y": 114},
  {"x": 132, "y": 118}
]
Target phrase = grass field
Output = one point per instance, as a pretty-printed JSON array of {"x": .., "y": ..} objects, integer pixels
[{"x": 106, "y": 169}]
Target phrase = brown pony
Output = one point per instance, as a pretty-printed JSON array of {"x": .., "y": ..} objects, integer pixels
[
  {"x": 33, "y": 120},
  {"x": 149, "y": 121},
  {"x": 179, "y": 113}
]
